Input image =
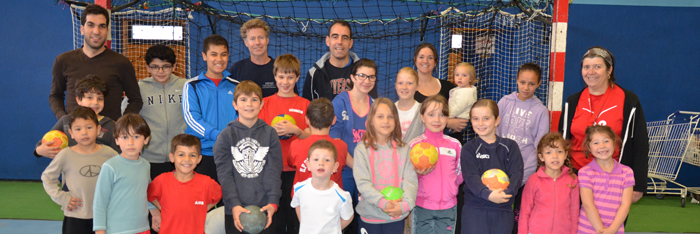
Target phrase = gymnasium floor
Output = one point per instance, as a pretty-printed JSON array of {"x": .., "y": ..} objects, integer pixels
[
  {"x": 27, "y": 209},
  {"x": 13, "y": 226}
]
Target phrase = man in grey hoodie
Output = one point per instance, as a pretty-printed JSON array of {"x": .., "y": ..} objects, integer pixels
[{"x": 330, "y": 74}]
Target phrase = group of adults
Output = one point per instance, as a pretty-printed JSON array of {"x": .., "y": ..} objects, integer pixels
[{"x": 601, "y": 102}]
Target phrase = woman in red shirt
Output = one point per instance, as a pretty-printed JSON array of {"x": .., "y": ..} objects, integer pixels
[{"x": 603, "y": 102}]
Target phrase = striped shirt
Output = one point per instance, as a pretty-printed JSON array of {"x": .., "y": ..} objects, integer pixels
[{"x": 607, "y": 192}]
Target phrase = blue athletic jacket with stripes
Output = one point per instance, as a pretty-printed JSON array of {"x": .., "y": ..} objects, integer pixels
[{"x": 208, "y": 108}]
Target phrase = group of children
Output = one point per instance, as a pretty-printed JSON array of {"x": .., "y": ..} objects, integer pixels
[{"x": 277, "y": 153}]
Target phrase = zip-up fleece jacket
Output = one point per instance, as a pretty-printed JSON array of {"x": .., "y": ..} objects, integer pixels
[
  {"x": 249, "y": 165},
  {"x": 438, "y": 189},
  {"x": 479, "y": 156},
  {"x": 634, "y": 151},
  {"x": 208, "y": 108},
  {"x": 162, "y": 110},
  {"x": 372, "y": 202},
  {"x": 525, "y": 122},
  {"x": 550, "y": 205}
]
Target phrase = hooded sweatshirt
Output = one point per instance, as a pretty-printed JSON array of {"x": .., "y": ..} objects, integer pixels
[
  {"x": 162, "y": 110},
  {"x": 525, "y": 122},
  {"x": 377, "y": 169},
  {"x": 438, "y": 189},
  {"x": 249, "y": 165}
]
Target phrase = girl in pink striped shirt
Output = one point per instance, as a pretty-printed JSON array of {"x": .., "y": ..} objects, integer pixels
[{"x": 606, "y": 185}]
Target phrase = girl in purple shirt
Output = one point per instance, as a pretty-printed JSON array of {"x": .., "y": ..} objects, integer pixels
[{"x": 605, "y": 184}]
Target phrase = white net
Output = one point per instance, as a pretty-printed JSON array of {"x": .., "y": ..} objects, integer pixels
[
  {"x": 497, "y": 43},
  {"x": 134, "y": 47}
]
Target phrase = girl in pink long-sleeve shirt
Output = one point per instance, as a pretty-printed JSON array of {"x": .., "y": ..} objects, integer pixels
[
  {"x": 436, "y": 199},
  {"x": 550, "y": 201}
]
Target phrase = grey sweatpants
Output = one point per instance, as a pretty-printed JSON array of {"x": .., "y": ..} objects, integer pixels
[{"x": 433, "y": 221}]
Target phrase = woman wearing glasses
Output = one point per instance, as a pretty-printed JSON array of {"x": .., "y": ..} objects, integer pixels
[{"x": 351, "y": 109}]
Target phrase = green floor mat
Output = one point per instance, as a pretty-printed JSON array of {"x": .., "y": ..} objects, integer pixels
[
  {"x": 653, "y": 215},
  {"x": 27, "y": 200}
]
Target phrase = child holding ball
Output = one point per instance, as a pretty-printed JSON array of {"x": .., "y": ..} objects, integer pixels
[
  {"x": 486, "y": 210},
  {"x": 436, "y": 202},
  {"x": 381, "y": 160}
]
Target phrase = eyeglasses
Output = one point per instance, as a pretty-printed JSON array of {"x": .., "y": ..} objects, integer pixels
[
  {"x": 362, "y": 76},
  {"x": 165, "y": 68}
]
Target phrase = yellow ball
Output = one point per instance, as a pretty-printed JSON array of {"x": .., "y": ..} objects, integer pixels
[
  {"x": 423, "y": 155},
  {"x": 59, "y": 138},
  {"x": 281, "y": 117},
  {"x": 495, "y": 179}
]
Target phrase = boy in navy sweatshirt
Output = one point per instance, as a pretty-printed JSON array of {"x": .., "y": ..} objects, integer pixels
[{"x": 248, "y": 159}]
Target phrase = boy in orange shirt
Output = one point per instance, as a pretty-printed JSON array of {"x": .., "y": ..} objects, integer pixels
[{"x": 284, "y": 111}]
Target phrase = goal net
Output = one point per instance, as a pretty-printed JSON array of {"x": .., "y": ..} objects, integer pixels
[
  {"x": 133, "y": 31},
  {"x": 497, "y": 43},
  {"x": 495, "y": 36}
]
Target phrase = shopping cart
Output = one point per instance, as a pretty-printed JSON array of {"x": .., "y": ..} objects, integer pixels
[{"x": 671, "y": 142}]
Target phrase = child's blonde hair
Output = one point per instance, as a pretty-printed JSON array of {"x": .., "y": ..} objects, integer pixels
[
  {"x": 555, "y": 140},
  {"x": 411, "y": 72},
  {"x": 470, "y": 69},
  {"x": 590, "y": 130},
  {"x": 370, "y": 136}
]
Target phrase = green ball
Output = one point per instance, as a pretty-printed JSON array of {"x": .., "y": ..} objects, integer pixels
[{"x": 392, "y": 193}]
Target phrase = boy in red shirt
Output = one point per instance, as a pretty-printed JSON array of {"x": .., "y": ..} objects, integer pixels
[
  {"x": 284, "y": 111},
  {"x": 183, "y": 196},
  {"x": 319, "y": 116}
]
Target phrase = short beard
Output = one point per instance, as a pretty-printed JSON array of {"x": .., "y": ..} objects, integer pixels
[{"x": 85, "y": 41}]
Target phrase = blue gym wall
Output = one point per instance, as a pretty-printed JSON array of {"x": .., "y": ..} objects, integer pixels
[
  {"x": 655, "y": 47},
  {"x": 34, "y": 33}
]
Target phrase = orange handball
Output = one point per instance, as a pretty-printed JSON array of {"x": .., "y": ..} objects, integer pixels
[
  {"x": 423, "y": 155},
  {"x": 59, "y": 139},
  {"x": 495, "y": 179}
]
